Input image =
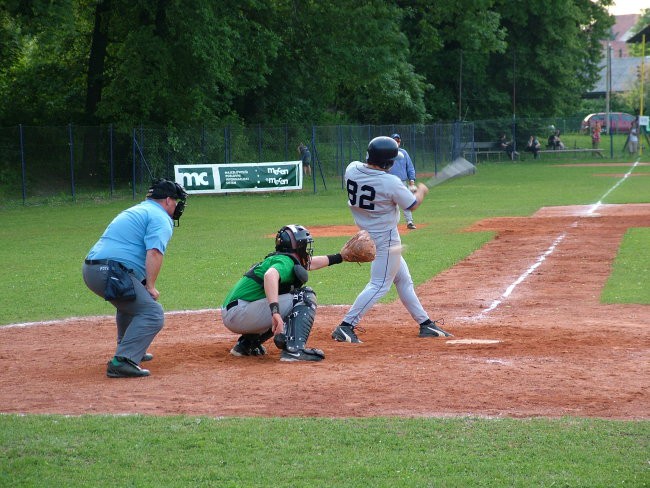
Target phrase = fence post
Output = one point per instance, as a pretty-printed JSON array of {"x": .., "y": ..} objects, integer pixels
[
  {"x": 110, "y": 159},
  {"x": 133, "y": 168},
  {"x": 23, "y": 167},
  {"x": 71, "y": 144},
  {"x": 226, "y": 144},
  {"x": 204, "y": 156},
  {"x": 286, "y": 142},
  {"x": 436, "y": 151}
]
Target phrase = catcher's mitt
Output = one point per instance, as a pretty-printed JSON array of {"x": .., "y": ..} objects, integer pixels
[{"x": 359, "y": 249}]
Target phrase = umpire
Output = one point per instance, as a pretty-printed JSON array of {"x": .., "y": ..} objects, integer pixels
[{"x": 122, "y": 267}]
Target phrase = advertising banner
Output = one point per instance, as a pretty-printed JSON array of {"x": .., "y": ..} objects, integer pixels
[{"x": 228, "y": 178}]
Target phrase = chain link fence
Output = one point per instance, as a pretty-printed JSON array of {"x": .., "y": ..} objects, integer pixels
[{"x": 42, "y": 164}]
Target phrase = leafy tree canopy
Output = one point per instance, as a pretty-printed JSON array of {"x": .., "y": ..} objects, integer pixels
[{"x": 183, "y": 62}]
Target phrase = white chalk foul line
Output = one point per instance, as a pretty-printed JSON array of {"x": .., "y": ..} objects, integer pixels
[
  {"x": 72, "y": 320},
  {"x": 521, "y": 278},
  {"x": 549, "y": 251}
]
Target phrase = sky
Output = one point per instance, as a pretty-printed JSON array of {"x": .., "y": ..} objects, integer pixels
[{"x": 622, "y": 7}]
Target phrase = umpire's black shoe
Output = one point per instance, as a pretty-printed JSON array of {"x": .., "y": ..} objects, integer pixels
[
  {"x": 431, "y": 329},
  {"x": 345, "y": 333},
  {"x": 120, "y": 367}
]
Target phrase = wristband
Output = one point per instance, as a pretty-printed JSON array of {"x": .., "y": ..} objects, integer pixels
[
  {"x": 334, "y": 259},
  {"x": 275, "y": 307}
]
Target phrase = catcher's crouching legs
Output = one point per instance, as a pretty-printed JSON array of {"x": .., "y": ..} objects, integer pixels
[{"x": 298, "y": 327}]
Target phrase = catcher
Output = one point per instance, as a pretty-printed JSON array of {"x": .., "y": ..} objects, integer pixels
[{"x": 271, "y": 299}]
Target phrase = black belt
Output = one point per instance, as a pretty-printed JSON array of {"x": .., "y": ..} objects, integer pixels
[
  {"x": 105, "y": 261},
  {"x": 232, "y": 304}
]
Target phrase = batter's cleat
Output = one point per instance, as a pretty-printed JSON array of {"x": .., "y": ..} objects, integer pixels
[
  {"x": 147, "y": 357},
  {"x": 306, "y": 354},
  {"x": 345, "y": 333},
  {"x": 432, "y": 329},
  {"x": 411, "y": 226},
  {"x": 120, "y": 367}
]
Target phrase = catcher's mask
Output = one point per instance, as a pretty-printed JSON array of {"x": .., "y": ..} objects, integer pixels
[
  {"x": 382, "y": 152},
  {"x": 165, "y": 188},
  {"x": 295, "y": 239}
]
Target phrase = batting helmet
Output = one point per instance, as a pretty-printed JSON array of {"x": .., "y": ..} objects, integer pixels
[
  {"x": 382, "y": 152},
  {"x": 295, "y": 239}
]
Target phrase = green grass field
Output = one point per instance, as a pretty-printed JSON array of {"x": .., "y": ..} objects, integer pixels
[{"x": 220, "y": 236}]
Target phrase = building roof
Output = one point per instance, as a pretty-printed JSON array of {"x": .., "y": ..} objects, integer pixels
[
  {"x": 620, "y": 33},
  {"x": 624, "y": 75},
  {"x": 638, "y": 37}
]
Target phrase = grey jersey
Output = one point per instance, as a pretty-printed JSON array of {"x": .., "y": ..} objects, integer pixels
[{"x": 375, "y": 197}]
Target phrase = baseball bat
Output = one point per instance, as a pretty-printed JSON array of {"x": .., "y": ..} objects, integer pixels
[{"x": 458, "y": 167}]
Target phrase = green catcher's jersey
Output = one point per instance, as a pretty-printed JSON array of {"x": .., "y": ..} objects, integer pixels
[{"x": 250, "y": 290}]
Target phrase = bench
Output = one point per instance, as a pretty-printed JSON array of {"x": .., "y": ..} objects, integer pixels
[
  {"x": 560, "y": 152},
  {"x": 483, "y": 149}
]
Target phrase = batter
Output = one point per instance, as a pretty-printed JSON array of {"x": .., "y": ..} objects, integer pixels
[{"x": 375, "y": 198}]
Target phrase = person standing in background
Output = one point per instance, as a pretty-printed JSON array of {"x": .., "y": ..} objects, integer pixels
[
  {"x": 595, "y": 136},
  {"x": 404, "y": 169},
  {"x": 305, "y": 156},
  {"x": 633, "y": 139}
]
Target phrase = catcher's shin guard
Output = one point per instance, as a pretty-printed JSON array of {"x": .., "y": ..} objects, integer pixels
[{"x": 301, "y": 319}]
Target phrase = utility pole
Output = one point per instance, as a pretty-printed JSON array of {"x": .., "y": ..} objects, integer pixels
[{"x": 607, "y": 97}]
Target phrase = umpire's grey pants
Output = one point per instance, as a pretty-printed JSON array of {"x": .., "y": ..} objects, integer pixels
[{"x": 138, "y": 321}]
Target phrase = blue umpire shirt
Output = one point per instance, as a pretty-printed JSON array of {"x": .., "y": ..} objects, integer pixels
[
  {"x": 403, "y": 167},
  {"x": 132, "y": 233}
]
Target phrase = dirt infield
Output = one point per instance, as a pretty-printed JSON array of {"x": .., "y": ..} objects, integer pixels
[{"x": 531, "y": 339}]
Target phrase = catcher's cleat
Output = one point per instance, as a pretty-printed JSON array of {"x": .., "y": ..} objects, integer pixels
[
  {"x": 250, "y": 345},
  {"x": 120, "y": 367},
  {"x": 147, "y": 357},
  {"x": 242, "y": 349},
  {"x": 411, "y": 226},
  {"x": 345, "y": 333},
  {"x": 306, "y": 354},
  {"x": 432, "y": 329}
]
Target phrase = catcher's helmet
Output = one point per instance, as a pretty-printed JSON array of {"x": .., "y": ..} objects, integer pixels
[
  {"x": 382, "y": 152},
  {"x": 295, "y": 239}
]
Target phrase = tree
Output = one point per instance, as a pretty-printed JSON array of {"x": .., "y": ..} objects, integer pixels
[
  {"x": 41, "y": 61},
  {"x": 183, "y": 62},
  {"x": 441, "y": 37},
  {"x": 553, "y": 53},
  {"x": 338, "y": 60}
]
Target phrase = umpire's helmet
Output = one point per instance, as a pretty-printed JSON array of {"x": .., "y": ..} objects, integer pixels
[
  {"x": 382, "y": 152},
  {"x": 163, "y": 188},
  {"x": 295, "y": 239}
]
